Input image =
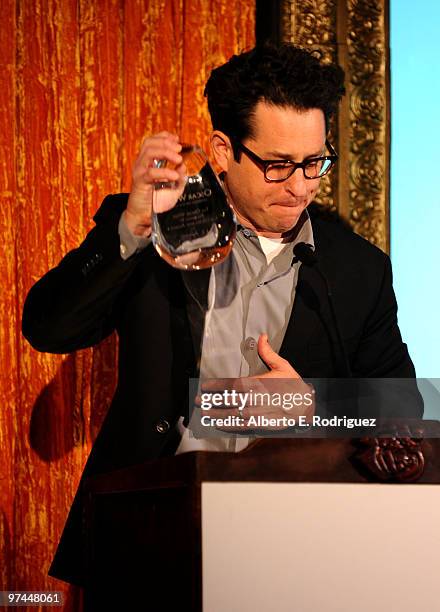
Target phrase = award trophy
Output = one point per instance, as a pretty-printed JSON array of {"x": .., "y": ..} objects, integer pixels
[{"x": 199, "y": 230}]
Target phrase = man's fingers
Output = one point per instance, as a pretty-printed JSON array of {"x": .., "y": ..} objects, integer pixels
[
  {"x": 154, "y": 175},
  {"x": 158, "y": 151},
  {"x": 182, "y": 177},
  {"x": 159, "y": 148}
]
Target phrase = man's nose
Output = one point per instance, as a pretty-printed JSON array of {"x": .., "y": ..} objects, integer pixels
[{"x": 296, "y": 184}]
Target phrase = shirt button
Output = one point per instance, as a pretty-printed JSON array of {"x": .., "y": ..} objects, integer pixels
[
  {"x": 250, "y": 344},
  {"x": 247, "y": 233},
  {"x": 162, "y": 426}
]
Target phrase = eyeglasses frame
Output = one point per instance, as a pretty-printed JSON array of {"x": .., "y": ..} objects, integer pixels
[{"x": 263, "y": 164}]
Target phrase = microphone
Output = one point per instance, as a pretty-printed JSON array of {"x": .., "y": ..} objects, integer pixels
[{"x": 306, "y": 255}]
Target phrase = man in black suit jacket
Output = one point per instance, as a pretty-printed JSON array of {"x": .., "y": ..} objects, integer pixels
[{"x": 270, "y": 110}]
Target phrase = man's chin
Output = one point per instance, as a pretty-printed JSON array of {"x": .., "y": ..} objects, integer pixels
[
  {"x": 287, "y": 219},
  {"x": 280, "y": 221}
]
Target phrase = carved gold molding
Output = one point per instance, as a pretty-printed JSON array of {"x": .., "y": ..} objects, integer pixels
[{"x": 355, "y": 34}]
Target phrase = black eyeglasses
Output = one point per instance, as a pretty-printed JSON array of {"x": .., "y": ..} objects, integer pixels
[{"x": 276, "y": 170}]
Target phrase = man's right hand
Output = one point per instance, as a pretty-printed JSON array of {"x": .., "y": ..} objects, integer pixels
[{"x": 163, "y": 145}]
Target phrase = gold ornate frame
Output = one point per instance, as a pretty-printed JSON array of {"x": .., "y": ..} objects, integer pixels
[{"x": 355, "y": 33}]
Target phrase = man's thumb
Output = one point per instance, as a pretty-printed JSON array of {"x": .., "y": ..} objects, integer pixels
[{"x": 268, "y": 355}]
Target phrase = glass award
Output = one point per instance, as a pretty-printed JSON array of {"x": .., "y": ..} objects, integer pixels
[{"x": 199, "y": 230}]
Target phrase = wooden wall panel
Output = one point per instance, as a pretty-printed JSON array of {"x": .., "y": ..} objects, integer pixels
[{"x": 355, "y": 34}]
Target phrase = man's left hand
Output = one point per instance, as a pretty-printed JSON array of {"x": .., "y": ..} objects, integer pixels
[{"x": 290, "y": 396}]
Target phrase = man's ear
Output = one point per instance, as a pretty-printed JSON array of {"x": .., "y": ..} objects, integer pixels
[{"x": 222, "y": 150}]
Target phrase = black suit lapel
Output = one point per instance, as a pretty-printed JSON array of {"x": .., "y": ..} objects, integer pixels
[
  {"x": 197, "y": 284},
  {"x": 189, "y": 303},
  {"x": 309, "y": 323},
  {"x": 310, "y": 334}
]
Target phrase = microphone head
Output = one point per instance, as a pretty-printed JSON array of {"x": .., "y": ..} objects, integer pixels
[{"x": 305, "y": 253}]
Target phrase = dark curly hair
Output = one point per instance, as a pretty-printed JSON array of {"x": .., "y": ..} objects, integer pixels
[{"x": 283, "y": 75}]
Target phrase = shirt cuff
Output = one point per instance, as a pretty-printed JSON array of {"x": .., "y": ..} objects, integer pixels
[{"x": 129, "y": 242}]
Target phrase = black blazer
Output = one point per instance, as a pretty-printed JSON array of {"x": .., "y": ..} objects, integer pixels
[{"x": 93, "y": 292}]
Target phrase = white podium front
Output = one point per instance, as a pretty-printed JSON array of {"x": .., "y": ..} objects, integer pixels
[{"x": 318, "y": 547}]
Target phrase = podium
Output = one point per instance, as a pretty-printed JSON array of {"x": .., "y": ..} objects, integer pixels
[{"x": 286, "y": 524}]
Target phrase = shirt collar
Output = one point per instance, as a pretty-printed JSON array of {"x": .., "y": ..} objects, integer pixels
[{"x": 302, "y": 232}]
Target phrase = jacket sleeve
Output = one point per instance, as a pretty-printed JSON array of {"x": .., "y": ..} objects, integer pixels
[
  {"x": 383, "y": 364},
  {"x": 75, "y": 305},
  {"x": 382, "y": 353}
]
